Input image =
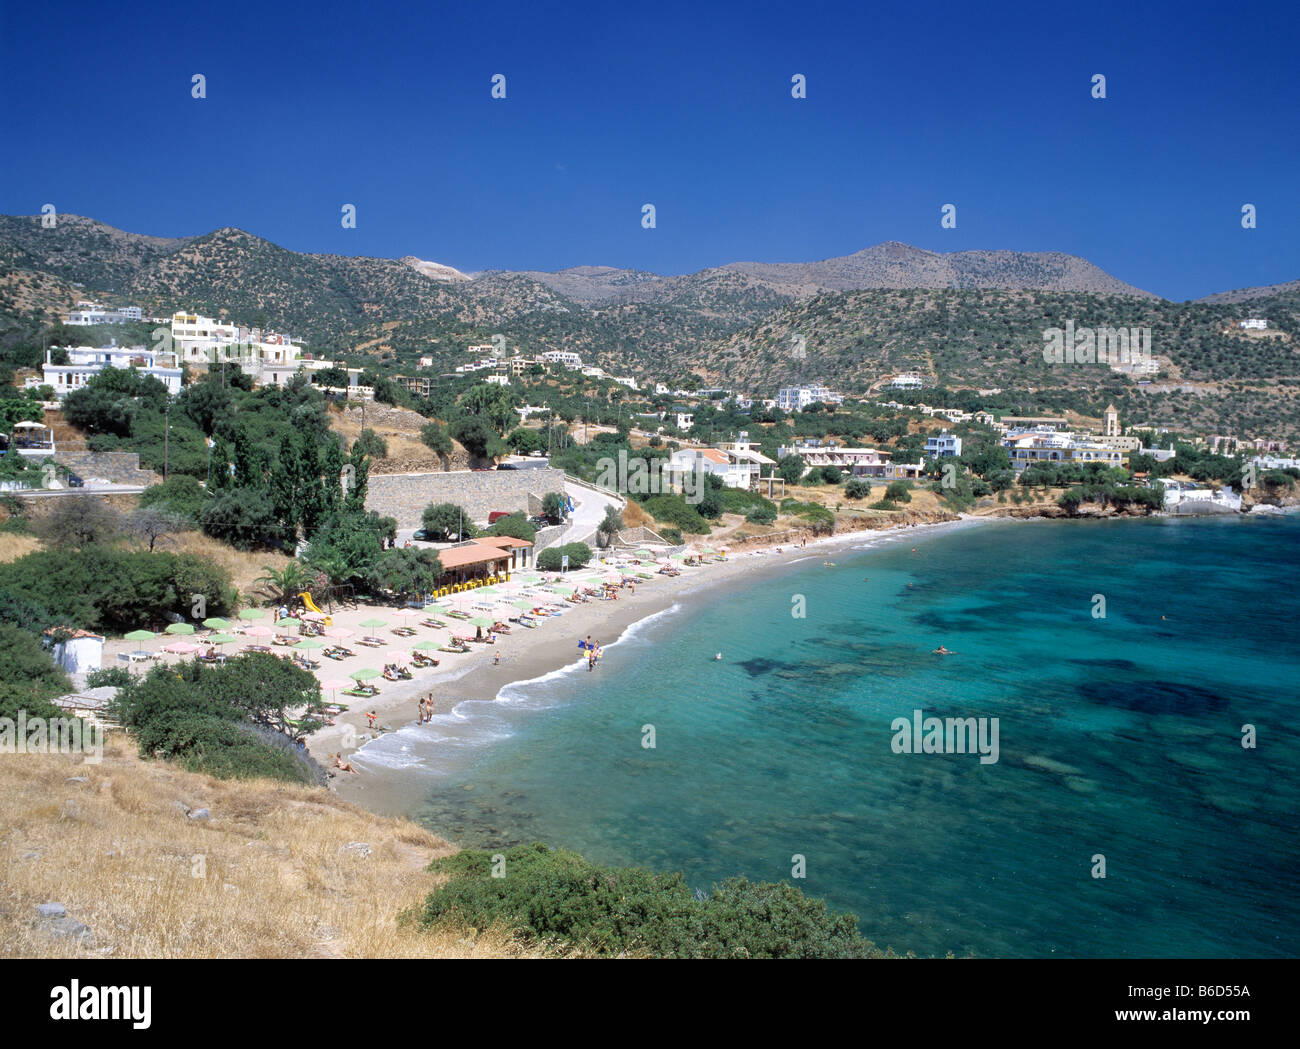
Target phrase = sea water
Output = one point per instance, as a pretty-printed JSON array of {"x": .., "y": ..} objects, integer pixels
[{"x": 1123, "y": 661}]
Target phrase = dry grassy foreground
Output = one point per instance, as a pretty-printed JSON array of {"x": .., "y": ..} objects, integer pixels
[{"x": 268, "y": 876}]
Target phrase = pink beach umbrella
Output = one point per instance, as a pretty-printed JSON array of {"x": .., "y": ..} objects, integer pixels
[
  {"x": 260, "y": 631},
  {"x": 338, "y": 632},
  {"x": 315, "y": 617},
  {"x": 181, "y": 648}
]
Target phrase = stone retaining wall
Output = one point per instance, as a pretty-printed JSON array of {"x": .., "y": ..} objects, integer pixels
[
  {"x": 118, "y": 467},
  {"x": 404, "y": 496}
]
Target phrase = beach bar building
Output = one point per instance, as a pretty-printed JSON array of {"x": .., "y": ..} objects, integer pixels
[{"x": 479, "y": 561}]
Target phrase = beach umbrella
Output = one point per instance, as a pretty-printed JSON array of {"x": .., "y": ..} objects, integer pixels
[
  {"x": 180, "y": 628},
  {"x": 217, "y": 623},
  {"x": 338, "y": 632},
  {"x": 526, "y": 605},
  {"x": 221, "y": 639},
  {"x": 372, "y": 623},
  {"x": 644, "y": 553},
  {"x": 286, "y": 622},
  {"x": 334, "y": 684},
  {"x": 433, "y": 606},
  {"x": 253, "y": 613},
  {"x": 644, "y": 575},
  {"x": 181, "y": 648},
  {"x": 140, "y": 635},
  {"x": 406, "y": 613},
  {"x": 562, "y": 589},
  {"x": 678, "y": 557},
  {"x": 364, "y": 674},
  {"x": 426, "y": 646},
  {"x": 315, "y": 617},
  {"x": 708, "y": 550},
  {"x": 310, "y": 643},
  {"x": 259, "y": 631},
  {"x": 482, "y": 621}
]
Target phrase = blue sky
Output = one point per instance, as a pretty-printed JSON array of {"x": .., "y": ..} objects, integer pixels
[{"x": 686, "y": 106}]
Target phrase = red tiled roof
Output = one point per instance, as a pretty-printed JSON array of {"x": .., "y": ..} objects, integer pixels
[
  {"x": 464, "y": 556},
  {"x": 507, "y": 541}
]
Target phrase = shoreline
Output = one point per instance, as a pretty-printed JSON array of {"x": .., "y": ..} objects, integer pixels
[{"x": 549, "y": 648}]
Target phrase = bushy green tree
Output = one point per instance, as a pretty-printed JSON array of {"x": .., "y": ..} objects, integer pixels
[{"x": 447, "y": 522}]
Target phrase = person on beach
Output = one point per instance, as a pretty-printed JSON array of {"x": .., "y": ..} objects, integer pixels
[
  {"x": 344, "y": 766},
  {"x": 496, "y": 659},
  {"x": 420, "y": 709},
  {"x": 370, "y": 718}
]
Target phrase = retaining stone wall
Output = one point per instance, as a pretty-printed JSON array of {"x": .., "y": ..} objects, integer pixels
[{"x": 404, "y": 496}]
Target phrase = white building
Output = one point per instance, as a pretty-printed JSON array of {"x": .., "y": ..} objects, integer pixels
[
  {"x": 732, "y": 473},
  {"x": 498, "y": 380},
  {"x": 797, "y": 398},
  {"x": 85, "y": 362},
  {"x": 269, "y": 358},
  {"x": 1191, "y": 497},
  {"x": 87, "y": 314},
  {"x": 1254, "y": 324},
  {"x": 906, "y": 381},
  {"x": 566, "y": 357},
  {"x": 1028, "y": 447},
  {"x": 625, "y": 380},
  {"x": 858, "y": 462},
  {"x": 943, "y": 444}
]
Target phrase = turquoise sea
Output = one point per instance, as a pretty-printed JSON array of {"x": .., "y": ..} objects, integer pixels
[{"x": 1119, "y": 737}]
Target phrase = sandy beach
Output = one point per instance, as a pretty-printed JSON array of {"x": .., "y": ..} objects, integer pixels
[{"x": 530, "y": 654}]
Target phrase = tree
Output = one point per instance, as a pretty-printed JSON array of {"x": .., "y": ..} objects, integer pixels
[
  {"x": 610, "y": 525},
  {"x": 553, "y": 504},
  {"x": 405, "y": 572},
  {"x": 154, "y": 523},
  {"x": 243, "y": 517},
  {"x": 899, "y": 492},
  {"x": 29, "y": 678},
  {"x": 856, "y": 488},
  {"x": 524, "y": 441},
  {"x": 791, "y": 468},
  {"x": 515, "y": 525},
  {"x": 371, "y": 444},
  {"x": 78, "y": 521},
  {"x": 436, "y": 437},
  {"x": 335, "y": 377},
  {"x": 478, "y": 437},
  {"x": 444, "y": 522},
  {"x": 180, "y": 494},
  {"x": 281, "y": 584}
]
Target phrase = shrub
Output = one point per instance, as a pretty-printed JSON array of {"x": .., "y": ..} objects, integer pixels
[
  {"x": 114, "y": 677},
  {"x": 446, "y": 521},
  {"x": 179, "y": 494},
  {"x": 676, "y": 511},
  {"x": 899, "y": 492},
  {"x": 550, "y": 559},
  {"x": 832, "y": 474},
  {"x": 243, "y": 517},
  {"x": 29, "y": 678},
  {"x": 516, "y": 525},
  {"x": 554, "y": 894},
  {"x": 856, "y": 488},
  {"x": 370, "y": 443}
]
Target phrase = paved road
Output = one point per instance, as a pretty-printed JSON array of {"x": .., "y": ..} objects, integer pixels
[
  {"x": 589, "y": 509},
  {"x": 90, "y": 489}
]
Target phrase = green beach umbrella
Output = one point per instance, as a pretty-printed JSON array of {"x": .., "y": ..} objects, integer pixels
[
  {"x": 708, "y": 550},
  {"x": 364, "y": 674},
  {"x": 221, "y": 639},
  {"x": 286, "y": 622},
  {"x": 140, "y": 635},
  {"x": 180, "y": 628},
  {"x": 644, "y": 575},
  {"x": 311, "y": 642},
  {"x": 644, "y": 553},
  {"x": 562, "y": 589},
  {"x": 426, "y": 646},
  {"x": 253, "y": 613},
  {"x": 526, "y": 605},
  {"x": 217, "y": 623},
  {"x": 372, "y": 623},
  {"x": 678, "y": 557},
  {"x": 482, "y": 621}
]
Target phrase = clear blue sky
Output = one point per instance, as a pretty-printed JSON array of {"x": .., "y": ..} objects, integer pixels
[{"x": 687, "y": 106}]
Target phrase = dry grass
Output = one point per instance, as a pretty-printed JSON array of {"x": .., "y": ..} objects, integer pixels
[
  {"x": 14, "y": 546},
  {"x": 266, "y": 877},
  {"x": 244, "y": 568}
]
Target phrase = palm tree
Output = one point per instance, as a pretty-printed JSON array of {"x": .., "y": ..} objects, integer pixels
[{"x": 283, "y": 583}]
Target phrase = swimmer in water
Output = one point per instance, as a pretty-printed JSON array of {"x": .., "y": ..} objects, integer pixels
[
  {"x": 942, "y": 651},
  {"x": 829, "y": 564},
  {"x": 717, "y": 657}
]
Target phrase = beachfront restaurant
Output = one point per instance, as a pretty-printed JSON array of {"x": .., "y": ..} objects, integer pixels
[
  {"x": 477, "y": 563},
  {"x": 521, "y": 550}
]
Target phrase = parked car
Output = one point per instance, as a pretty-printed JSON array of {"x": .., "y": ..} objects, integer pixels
[
  {"x": 75, "y": 482},
  {"x": 496, "y": 516},
  {"x": 421, "y": 535}
]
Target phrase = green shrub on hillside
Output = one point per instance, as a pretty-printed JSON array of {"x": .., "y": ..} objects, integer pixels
[
  {"x": 29, "y": 677},
  {"x": 674, "y": 510},
  {"x": 579, "y": 555},
  {"x": 550, "y": 894},
  {"x": 116, "y": 590}
]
